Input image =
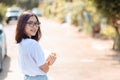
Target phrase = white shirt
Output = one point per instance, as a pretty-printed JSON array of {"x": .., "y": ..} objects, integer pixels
[{"x": 31, "y": 57}]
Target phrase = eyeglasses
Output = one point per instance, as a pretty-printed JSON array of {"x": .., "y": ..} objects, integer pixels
[{"x": 32, "y": 24}]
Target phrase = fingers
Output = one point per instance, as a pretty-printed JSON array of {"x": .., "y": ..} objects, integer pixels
[
  {"x": 51, "y": 59},
  {"x": 53, "y": 54}
]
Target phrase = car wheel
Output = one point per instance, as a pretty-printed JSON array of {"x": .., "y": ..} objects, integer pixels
[
  {"x": 5, "y": 48},
  {"x": 5, "y": 53},
  {"x": 0, "y": 62},
  {"x": 1, "y": 66},
  {"x": 7, "y": 21}
]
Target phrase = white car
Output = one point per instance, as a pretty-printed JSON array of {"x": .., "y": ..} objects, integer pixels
[
  {"x": 12, "y": 14},
  {"x": 3, "y": 46},
  {"x": 37, "y": 11}
]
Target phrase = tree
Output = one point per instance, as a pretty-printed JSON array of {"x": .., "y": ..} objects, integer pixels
[
  {"x": 28, "y": 4},
  {"x": 111, "y": 10},
  {"x": 8, "y": 3}
]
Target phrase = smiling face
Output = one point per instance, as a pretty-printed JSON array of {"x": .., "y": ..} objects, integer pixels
[
  {"x": 28, "y": 26},
  {"x": 31, "y": 27}
]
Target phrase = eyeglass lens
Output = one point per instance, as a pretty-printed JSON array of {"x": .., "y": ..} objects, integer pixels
[{"x": 32, "y": 24}]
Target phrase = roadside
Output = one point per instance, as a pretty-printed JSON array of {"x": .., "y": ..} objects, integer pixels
[{"x": 79, "y": 56}]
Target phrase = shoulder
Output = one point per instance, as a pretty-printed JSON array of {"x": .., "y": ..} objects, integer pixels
[{"x": 29, "y": 42}]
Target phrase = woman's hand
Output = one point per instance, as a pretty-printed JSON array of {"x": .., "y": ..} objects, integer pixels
[
  {"x": 44, "y": 67},
  {"x": 51, "y": 59}
]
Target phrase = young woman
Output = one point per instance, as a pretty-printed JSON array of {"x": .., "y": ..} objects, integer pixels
[{"x": 31, "y": 57}]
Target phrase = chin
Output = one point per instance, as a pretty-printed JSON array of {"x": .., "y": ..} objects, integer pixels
[{"x": 32, "y": 35}]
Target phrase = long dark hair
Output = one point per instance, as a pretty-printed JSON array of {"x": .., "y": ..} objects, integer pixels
[{"x": 20, "y": 29}]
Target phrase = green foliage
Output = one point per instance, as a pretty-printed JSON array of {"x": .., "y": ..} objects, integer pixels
[
  {"x": 28, "y": 4},
  {"x": 8, "y": 2},
  {"x": 76, "y": 13},
  {"x": 54, "y": 10},
  {"x": 46, "y": 11},
  {"x": 59, "y": 18},
  {"x": 109, "y": 31},
  {"x": 2, "y": 11},
  {"x": 87, "y": 28},
  {"x": 3, "y": 5},
  {"x": 109, "y": 8},
  {"x": 46, "y": 8}
]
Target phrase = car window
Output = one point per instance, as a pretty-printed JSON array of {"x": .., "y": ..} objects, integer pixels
[{"x": 14, "y": 11}]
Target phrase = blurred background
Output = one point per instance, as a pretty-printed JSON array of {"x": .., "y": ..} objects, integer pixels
[
  {"x": 80, "y": 31},
  {"x": 84, "y": 14}
]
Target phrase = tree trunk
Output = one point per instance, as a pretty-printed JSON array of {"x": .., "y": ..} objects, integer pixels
[
  {"x": 116, "y": 45},
  {"x": 115, "y": 22},
  {"x": 96, "y": 30}
]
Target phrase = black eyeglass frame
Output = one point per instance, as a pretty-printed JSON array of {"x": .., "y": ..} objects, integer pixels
[{"x": 32, "y": 24}]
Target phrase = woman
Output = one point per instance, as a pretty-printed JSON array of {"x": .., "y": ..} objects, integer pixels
[{"x": 31, "y": 57}]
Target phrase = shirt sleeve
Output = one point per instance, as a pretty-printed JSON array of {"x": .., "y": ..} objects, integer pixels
[{"x": 37, "y": 54}]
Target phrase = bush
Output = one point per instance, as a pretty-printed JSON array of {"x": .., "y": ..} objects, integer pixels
[
  {"x": 109, "y": 31},
  {"x": 2, "y": 12}
]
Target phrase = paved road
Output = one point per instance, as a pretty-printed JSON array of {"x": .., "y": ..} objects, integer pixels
[{"x": 79, "y": 57}]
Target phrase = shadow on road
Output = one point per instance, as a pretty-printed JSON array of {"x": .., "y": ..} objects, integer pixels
[
  {"x": 6, "y": 65},
  {"x": 115, "y": 56}
]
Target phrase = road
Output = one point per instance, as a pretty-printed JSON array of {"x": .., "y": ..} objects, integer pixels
[{"x": 79, "y": 56}]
